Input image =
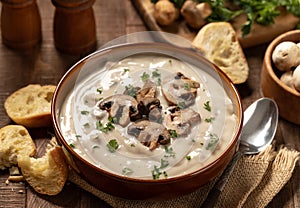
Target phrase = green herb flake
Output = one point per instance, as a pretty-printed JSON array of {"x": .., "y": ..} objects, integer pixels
[
  {"x": 78, "y": 136},
  {"x": 126, "y": 70},
  {"x": 86, "y": 125},
  {"x": 99, "y": 90},
  {"x": 127, "y": 171},
  {"x": 188, "y": 157},
  {"x": 95, "y": 146},
  {"x": 173, "y": 133},
  {"x": 181, "y": 105},
  {"x": 131, "y": 90},
  {"x": 84, "y": 112},
  {"x": 214, "y": 139},
  {"x": 112, "y": 145},
  {"x": 145, "y": 77},
  {"x": 186, "y": 86},
  {"x": 155, "y": 74},
  {"x": 169, "y": 152},
  {"x": 209, "y": 120},
  {"x": 72, "y": 145},
  {"x": 156, "y": 172},
  {"x": 206, "y": 106},
  {"x": 107, "y": 127}
]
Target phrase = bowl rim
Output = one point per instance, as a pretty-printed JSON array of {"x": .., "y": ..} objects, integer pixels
[
  {"x": 191, "y": 51},
  {"x": 268, "y": 60}
]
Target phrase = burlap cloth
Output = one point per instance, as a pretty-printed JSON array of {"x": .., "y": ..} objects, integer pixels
[{"x": 254, "y": 182}]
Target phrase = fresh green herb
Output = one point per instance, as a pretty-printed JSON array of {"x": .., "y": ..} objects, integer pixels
[
  {"x": 107, "y": 127},
  {"x": 159, "y": 81},
  {"x": 77, "y": 136},
  {"x": 132, "y": 145},
  {"x": 86, "y": 125},
  {"x": 72, "y": 145},
  {"x": 127, "y": 171},
  {"x": 145, "y": 77},
  {"x": 172, "y": 133},
  {"x": 181, "y": 105},
  {"x": 209, "y": 120},
  {"x": 155, "y": 73},
  {"x": 99, "y": 90},
  {"x": 207, "y": 106},
  {"x": 212, "y": 141},
  {"x": 156, "y": 172},
  {"x": 169, "y": 152},
  {"x": 84, "y": 112},
  {"x": 131, "y": 90},
  {"x": 112, "y": 145},
  {"x": 95, "y": 146},
  {"x": 186, "y": 86},
  {"x": 126, "y": 70},
  {"x": 188, "y": 157},
  {"x": 101, "y": 98}
]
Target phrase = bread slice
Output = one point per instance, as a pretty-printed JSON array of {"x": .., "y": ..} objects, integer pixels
[
  {"x": 15, "y": 143},
  {"x": 48, "y": 174},
  {"x": 30, "y": 106},
  {"x": 219, "y": 43}
]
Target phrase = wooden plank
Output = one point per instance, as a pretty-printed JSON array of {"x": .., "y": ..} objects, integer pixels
[{"x": 259, "y": 34}]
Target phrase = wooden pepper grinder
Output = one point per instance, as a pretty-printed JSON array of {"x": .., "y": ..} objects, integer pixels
[
  {"x": 20, "y": 23},
  {"x": 74, "y": 26}
]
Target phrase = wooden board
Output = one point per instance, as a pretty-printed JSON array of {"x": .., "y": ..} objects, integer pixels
[{"x": 259, "y": 34}]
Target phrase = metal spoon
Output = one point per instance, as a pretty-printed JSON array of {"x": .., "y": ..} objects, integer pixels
[{"x": 259, "y": 128}]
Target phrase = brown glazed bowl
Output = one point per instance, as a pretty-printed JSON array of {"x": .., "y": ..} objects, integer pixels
[
  {"x": 287, "y": 98},
  {"x": 136, "y": 188}
]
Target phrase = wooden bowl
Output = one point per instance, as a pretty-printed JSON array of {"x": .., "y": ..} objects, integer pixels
[
  {"x": 130, "y": 187},
  {"x": 287, "y": 99}
]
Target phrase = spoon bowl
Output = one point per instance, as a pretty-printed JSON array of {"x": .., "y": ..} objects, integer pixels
[{"x": 259, "y": 126}]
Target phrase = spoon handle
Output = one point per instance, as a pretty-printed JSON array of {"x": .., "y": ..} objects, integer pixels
[{"x": 217, "y": 189}]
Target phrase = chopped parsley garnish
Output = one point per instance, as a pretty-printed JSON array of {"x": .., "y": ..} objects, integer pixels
[
  {"x": 156, "y": 172},
  {"x": 126, "y": 70},
  {"x": 155, "y": 73},
  {"x": 181, "y": 105},
  {"x": 212, "y": 142},
  {"x": 77, "y": 136},
  {"x": 209, "y": 120},
  {"x": 99, "y": 90},
  {"x": 107, "y": 127},
  {"x": 131, "y": 90},
  {"x": 186, "y": 86},
  {"x": 169, "y": 152},
  {"x": 86, "y": 125},
  {"x": 72, "y": 145},
  {"x": 127, "y": 171},
  {"x": 84, "y": 112},
  {"x": 207, "y": 106},
  {"x": 173, "y": 133},
  {"x": 188, "y": 157},
  {"x": 112, "y": 145},
  {"x": 145, "y": 76},
  {"x": 95, "y": 146}
]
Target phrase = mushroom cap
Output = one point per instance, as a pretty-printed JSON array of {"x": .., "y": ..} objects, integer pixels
[
  {"x": 296, "y": 78},
  {"x": 286, "y": 55}
]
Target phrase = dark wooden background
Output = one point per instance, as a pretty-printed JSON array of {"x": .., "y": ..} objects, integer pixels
[{"x": 45, "y": 65}]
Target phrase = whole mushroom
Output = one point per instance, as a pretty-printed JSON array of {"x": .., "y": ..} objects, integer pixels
[
  {"x": 195, "y": 13},
  {"x": 296, "y": 78},
  {"x": 286, "y": 56},
  {"x": 165, "y": 12},
  {"x": 287, "y": 78}
]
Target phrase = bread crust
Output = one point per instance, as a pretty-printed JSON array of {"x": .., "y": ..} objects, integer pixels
[
  {"x": 30, "y": 106},
  {"x": 218, "y": 42}
]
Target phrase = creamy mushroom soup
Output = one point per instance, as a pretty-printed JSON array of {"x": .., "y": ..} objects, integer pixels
[{"x": 148, "y": 116}]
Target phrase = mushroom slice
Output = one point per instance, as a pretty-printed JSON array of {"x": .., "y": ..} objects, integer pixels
[
  {"x": 180, "y": 90},
  {"x": 146, "y": 98},
  {"x": 182, "y": 120},
  {"x": 121, "y": 107},
  {"x": 149, "y": 133}
]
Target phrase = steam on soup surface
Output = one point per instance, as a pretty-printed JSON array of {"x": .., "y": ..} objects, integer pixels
[{"x": 148, "y": 116}]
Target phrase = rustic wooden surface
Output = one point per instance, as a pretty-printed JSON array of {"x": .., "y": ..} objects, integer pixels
[{"x": 45, "y": 65}]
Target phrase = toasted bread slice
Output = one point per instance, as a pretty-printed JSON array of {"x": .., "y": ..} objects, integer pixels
[
  {"x": 30, "y": 106},
  {"x": 218, "y": 42},
  {"x": 48, "y": 174},
  {"x": 15, "y": 143}
]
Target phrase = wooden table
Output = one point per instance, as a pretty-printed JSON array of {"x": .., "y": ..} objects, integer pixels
[{"x": 45, "y": 65}]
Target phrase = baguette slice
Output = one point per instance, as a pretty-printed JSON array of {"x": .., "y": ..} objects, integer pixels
[
  {"x": 30, "y": 106},
  {"x": 48, "y": 174},
  {"x": 15, "y": 143},
  {"x": 219, "y": 43}
]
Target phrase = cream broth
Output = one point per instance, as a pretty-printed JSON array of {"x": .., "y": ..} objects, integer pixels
[{"x": 184, "y": 154}]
